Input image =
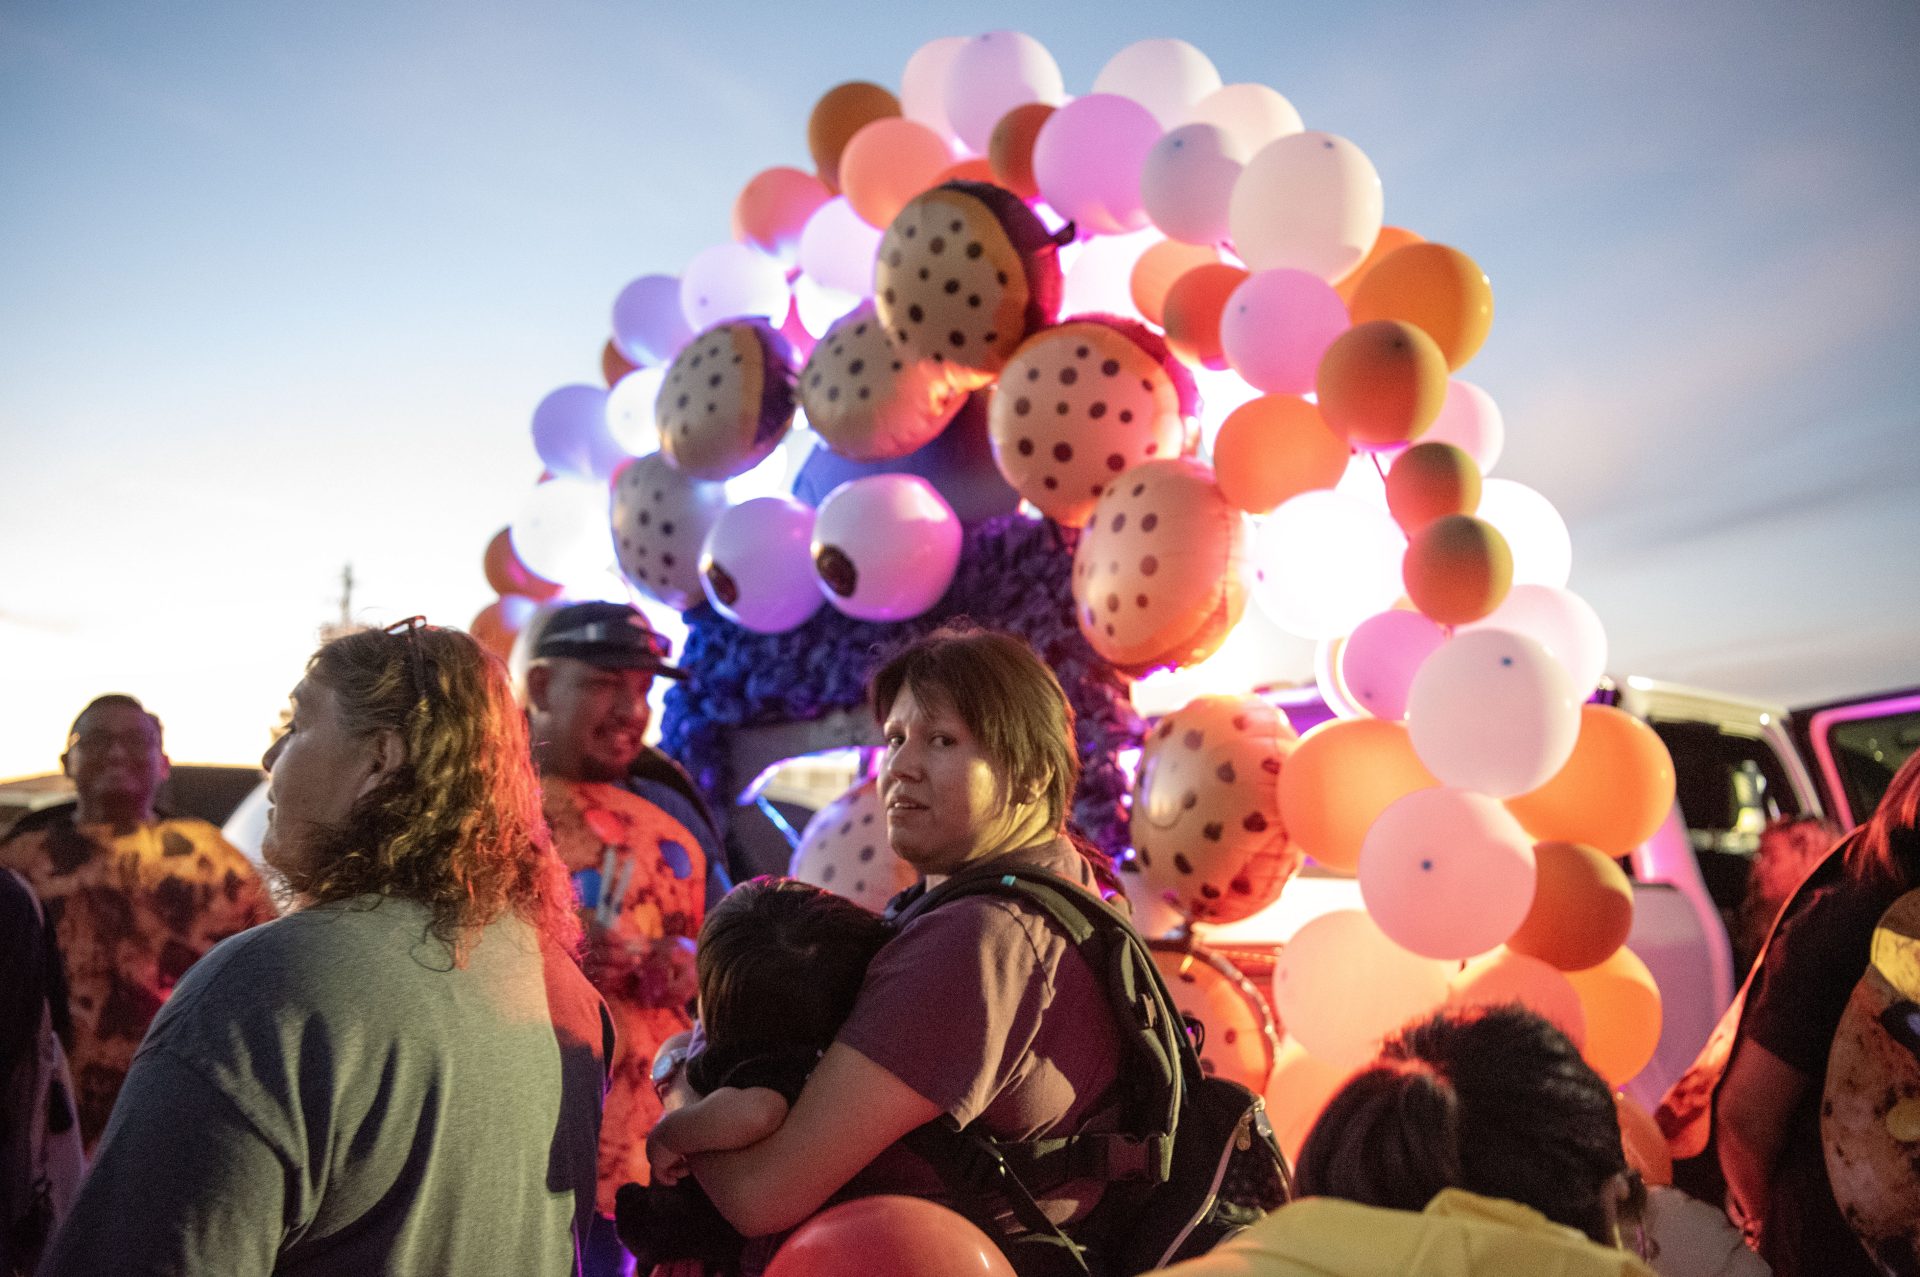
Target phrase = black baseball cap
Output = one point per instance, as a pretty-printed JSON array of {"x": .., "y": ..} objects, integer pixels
[{"x": 612, "y": 636}]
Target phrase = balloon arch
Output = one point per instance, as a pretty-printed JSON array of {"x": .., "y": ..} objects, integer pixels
[{"x": 1100, "y": 370}]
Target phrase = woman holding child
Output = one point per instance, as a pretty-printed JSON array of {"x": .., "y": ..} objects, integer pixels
[{"x": 976, "y": 1010}]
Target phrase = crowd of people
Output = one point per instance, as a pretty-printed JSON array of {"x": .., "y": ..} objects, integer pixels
[{"x": 514, "y": 1018}]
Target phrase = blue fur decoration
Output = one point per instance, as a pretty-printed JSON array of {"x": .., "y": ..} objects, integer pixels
[{"x": 1014, "y": 576}]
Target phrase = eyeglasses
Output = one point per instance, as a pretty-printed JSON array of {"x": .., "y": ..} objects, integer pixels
[{"x": 409, "y": 630}]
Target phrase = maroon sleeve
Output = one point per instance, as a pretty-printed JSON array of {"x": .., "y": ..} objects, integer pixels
[{"x": 951, "y": 1005}]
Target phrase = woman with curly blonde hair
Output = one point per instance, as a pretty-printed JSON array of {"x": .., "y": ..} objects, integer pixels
[{"x": 404, "y": 1074}]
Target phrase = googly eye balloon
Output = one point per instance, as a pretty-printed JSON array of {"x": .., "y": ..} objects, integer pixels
[
  {"x": 885, "y": 547},
  {"x": 756, "y": 564}
]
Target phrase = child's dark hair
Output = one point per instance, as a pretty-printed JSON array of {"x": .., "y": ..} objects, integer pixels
[
  {"x": 779, "y": 965},
  {"x": 1493, "y": 1100}
]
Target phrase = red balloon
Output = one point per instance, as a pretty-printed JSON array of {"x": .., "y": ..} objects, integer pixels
[{"x": 889, "y": 1237}]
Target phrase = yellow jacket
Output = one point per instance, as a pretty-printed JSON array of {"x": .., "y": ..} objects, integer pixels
[{"x": 1459, "y": 1234}]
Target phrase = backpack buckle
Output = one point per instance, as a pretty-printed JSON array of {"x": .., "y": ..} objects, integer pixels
[{"x": 1131, "y": 1157}]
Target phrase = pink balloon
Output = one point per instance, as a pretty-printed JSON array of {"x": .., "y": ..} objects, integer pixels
[
  {"x": 1505, "y": 976},
  {"x": 991, "y": 74},
  {"x": 1447, "y": 873},
  {"x": 1088, "y": 158},
  {"x": 1492, "y": 710},
  {"x": 1341, "y": 985},
  {"x": 1381, "y": 657},
  {"x": 1470, "y": 420},
  {"x": 837, "y": 249},
  {"x": 1277, "y": 325},
  {"x": 648, "y": 324}
]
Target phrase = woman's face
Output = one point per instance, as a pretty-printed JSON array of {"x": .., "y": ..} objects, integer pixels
[
  {"x": 947, "y": 806},
  {"x": 316, "y": 771}
]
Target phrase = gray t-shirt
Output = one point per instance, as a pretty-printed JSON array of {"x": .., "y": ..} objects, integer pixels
[{"x": 329, "y": 1093}]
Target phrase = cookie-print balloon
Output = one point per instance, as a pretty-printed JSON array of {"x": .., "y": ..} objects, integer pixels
[
  {"x": 885, "y": 547},
  {"x": 1081, "y": 402},
  {"x": 867, "y": 398},
  {"x": 756, "y": 564},
  {"x": 844, "y": 849},
  {"x": 966, "y": 272},
  {"x": 1206, "y": 821},
  {"x": 727, "y": 401},
  {"x": 1493, "y": 711},
  {"x": 661, "y": 517},
  {"x": 1157, "y": 576},
  {"x": 1447, "y": 873},
  {"x": 1238, "y": 1041}
]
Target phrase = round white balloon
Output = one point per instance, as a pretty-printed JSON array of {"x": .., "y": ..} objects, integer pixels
[
  {"x": 630, "y": 410},
  {"x": 1307, "y": 201},
  {"x": 1493, "y": 711},
  {"x": 733, "y": 281},
  {"x": 561, "y": 531},
  {"x": 1252, "y": 114},
  {"x": 993, "y": 73},
  {"x": 1325, "y": 561},
  {"x": 837, "y": 249},
  {"x": 1563, "y": 622},
  {"x": 1341, "y": 985},
  {"x": 1168, "y": 77},
  {"x": 1187, "y": 183},
  {"x": 923, "y": 85},
  {"x": 1447, "y": 873},
  {"x": 1535, "y": 532}
]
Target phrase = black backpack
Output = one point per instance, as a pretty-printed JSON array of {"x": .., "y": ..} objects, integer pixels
[{"x": 1193, "y": 1160}]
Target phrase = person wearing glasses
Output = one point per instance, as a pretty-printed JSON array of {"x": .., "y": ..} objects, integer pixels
[
  {"x": 136, "y": 897},
  {"x": 642, "y": 851},
  {"x": 404, "y": 1074}
]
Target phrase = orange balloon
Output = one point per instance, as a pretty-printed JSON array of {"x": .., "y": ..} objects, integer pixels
[
  {"x": 1273, "y": 448},
  {"x": 1191, "y": 312},
  {"x": 497, "y": 624},
  {"x": 1440, "y": 289},
  {"x": 973, "y": 170},
  {"x": 1582, "y": 907},
  {"x": 888, "y": 1236},
  {"x": 1614, "y": 791},
  {"x": 1338, "y": 780},
  {"x": 613, "y": 364},
  {"x": 1622, "y": 1003},
  {"x": 841, "y": 112},
  {"x": 1640, "y": 1137},
  {"x": 1457, "y": 569},
  {"x": 1429, "y": 481},
  {"x": 1390, "y": 239},
  {"x": 1300, "y": 1087},
  {"x": 887, "y": 163},
  {"x": 1506, "y": 976},
  {"x": 508, "y": 575},
  {"x": 1159, "y": 268},
  {"x": 1010, "y": 149},
  {"x": 1382, "y": 383},
  {"x": 773, "y": 207}
]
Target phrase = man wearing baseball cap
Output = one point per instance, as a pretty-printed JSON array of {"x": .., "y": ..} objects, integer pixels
[{"x": 642, "y": 849}]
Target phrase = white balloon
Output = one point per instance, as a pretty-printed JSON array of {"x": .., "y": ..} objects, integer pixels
[
  {"x": 572, "y": 436},
  {"x": 1309, "y": 201},
  {"x": 1187, "y": 183},
  {"x": 561, "y": 531},
  {"x": 1100, "y": 278},
  {"x": 1252, "y": 114},
  {"x": 885, "y": 546},
  {"x": 630, "y": 411},
  {"x": 923, "y": 85},
  {"x": 1535, "y": 532},
  {"x": 648, "y": 325},
  {"x": 819, "y": 306},
  {"x": 1341, "y": 985},
  {"x": 1167, "y": 76},
  {"x": 1562, "y": 622},
  {"x": 837, "y": 248},
  {"x": 733, "y": 281},
  {"x": 757, "y": 567},
  {"x": 1470, "y": 420},
  {"x": 1324, "y": 561},
  {"x": 993, "y": 73},
  {"x": 1447, "y": 873},
  {"x": 1493, "y": 711}
]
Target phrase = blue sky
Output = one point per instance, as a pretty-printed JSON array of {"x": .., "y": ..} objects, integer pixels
[{"x": 280, "y": 286}]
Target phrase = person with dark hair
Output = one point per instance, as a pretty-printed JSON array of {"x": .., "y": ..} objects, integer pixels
[
  {"x": 641, "y": 848},
  {"x": 1766, "y": 1108},
  {"x": 1479, "y": 1141},
  {"x": 135, "y": 897},
  {"x": 978, "y": 1010},
  {"x": 403, "y": 1075},
  {"x": 780, "y": 965}
]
